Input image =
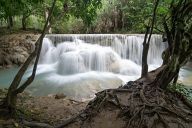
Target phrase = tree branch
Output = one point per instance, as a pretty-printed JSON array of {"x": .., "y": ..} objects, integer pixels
[{"x": 153, "y": 20}]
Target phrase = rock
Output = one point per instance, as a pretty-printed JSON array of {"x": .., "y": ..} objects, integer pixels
[
  {"x": 50, "y": 95},
  {"x": 28, "y": 37},
  {"x": 9, "y": 66},
  {"x": 128, "y": 84},
  {"x": 15, "y": 48},
  {"x": 16, "y": 125},
  {"x": 60, "y": 96},
  {"x": 7, "y": 61}
]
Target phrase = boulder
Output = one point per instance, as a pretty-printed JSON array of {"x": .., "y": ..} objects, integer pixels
[{"x": 60, "y": 96}]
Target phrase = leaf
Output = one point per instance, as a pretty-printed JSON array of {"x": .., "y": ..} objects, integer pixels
[
  {"x": 162, "y": 10},
  {"x": 16, "y": 125}
]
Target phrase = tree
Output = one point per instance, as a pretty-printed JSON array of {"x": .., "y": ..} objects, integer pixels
[
  {"x": 24, "y": 8},
  {"x": 178, "y": 29},
  {"x": 28, "y": 8},
  {"x": 123, "y": 15},
  {"x": 7, "y": 12}
]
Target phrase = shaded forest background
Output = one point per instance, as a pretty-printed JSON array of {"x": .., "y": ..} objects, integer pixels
[{"x": 111, "y": 16}]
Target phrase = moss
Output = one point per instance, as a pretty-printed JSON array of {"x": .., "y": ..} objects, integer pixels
[{"x": 181, "y": 88}]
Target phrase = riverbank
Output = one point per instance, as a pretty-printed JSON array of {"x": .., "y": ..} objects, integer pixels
[{"x": 51, "y": 109}]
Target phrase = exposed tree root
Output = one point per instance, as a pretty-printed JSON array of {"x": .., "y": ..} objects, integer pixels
[
  {"x": 68, "y": 121},
  {"x": 36, "y": 124},
  {"x": 141, "y": 105}
]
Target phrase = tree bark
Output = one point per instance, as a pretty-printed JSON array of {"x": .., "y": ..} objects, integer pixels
[
  {"x": 10, "y": 22},
  {"x": 24, "y": 22},
  {"x": 46, "y": 17},
  {"x": 144, "y": 69}
]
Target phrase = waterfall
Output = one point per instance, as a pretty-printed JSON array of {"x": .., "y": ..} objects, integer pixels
[
  {"x": 81, "y": 65},
  {"x": 101, "y": 52}
]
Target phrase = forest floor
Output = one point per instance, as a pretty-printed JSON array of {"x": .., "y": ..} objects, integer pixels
[
  {"x": 50, "y": 109},
  {"x": 55, "y": 109}
]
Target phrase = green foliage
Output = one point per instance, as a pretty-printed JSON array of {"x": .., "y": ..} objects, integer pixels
[
  {"x": 85, "y": 9},
  {"x": 179, "y": 87},
  {"x": 94, "y": 16},
  {"x": 69, "y": 13},
  {"x": 16, "y": 7},
  {"x": 72, "y": 25},
  {"x": 81, "y": 9},
  {"x": 123, "y": 15}
]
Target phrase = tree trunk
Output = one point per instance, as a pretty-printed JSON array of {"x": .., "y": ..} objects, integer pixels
[
  {"x": 146, "y": 42},
  {"x": 176, "y": 78},
  {"x": 11, "y": 101},
  {"x": 10, "y": 22},
  {"x": 46, "y": 16},
  {"x": 170, "y": 72},
  {"x": 144, "y": 70},
  {"x": 120, "y": 19},
  {"x": 179, "y": 43},
  {"x": 24, "y": 22},
  {"x": 165, "y": 77}
]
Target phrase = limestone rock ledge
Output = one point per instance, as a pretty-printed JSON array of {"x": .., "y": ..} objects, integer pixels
[{"x": 15, "y": 48}]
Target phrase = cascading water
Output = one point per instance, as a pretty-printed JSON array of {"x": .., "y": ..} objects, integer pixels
[
  {"x": 80, "y": 65},
  {"x": 99, "y": 52}
]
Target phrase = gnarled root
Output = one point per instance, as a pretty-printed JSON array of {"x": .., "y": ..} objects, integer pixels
[{"x": 142, "y": 105}]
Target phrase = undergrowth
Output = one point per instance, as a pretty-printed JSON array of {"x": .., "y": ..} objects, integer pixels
[{"x": 181, "y": 88}]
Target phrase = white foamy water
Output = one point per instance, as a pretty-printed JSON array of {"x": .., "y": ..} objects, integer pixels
[{"x": 81, "y": 65}]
